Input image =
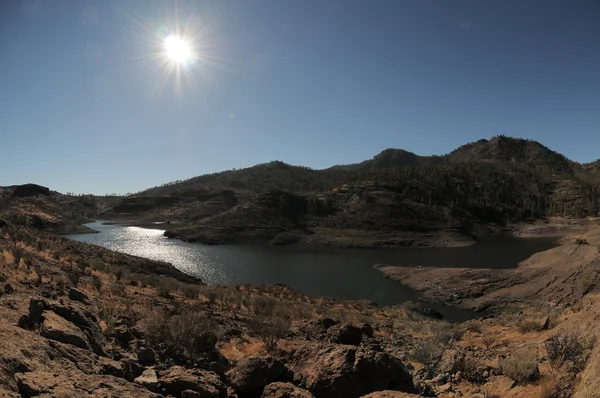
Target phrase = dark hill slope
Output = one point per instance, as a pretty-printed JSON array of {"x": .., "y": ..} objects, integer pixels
[
  {"x": 382, "y": 201},
  {"x": 514, "y": 150},
  {"x": 38, "y": 206}
]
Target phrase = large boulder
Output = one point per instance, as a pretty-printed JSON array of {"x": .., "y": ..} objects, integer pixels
[
  {"x": 78, "y": 295},
  {"x": 148, "y": 379},
  {"x": 55, "y": 385},
  {"x": 391, "y": 394},
  {"x": 177, "y": 379},
  {"x": 254, "y": 372},
  {"x": 331, "y": 370},
  {"x": 84, "y": 319},
  {"x": 58, "y": 328},
  {"x": 285, "y": 390},
  {"x": 345, "y": 334}
]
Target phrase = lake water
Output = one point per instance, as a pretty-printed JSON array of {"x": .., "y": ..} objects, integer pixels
[{"x": 317, "y": 271}]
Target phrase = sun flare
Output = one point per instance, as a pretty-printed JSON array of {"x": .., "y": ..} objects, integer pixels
[{"x": 178, "y": 50}]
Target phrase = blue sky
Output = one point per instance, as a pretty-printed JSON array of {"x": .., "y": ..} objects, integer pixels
[{"x": 85, "y": 106}]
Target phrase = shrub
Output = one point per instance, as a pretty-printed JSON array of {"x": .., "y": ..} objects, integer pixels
[
  {"x": 489, "y": 340},
  {"x": 530, "y": 325},
  {"x": 110, "y": 314},
  {"x": 164, "y": 290},
  {"x": 521, "y": 367},
  {"x": 17, "y": 253},
  {"x": 117, "y": 289},
  {"x": 189, "y": 291},
  {"x": 427, "y": 351},
  {"x": 264, "y": 305},
  {"x": 270, "y": 330},
  {"x": 188, "y": 336},
  {"x": 97, "y": 282},
  {"x": 73, "y": 277},
  {"x": 568, "y": 349},
  {"x": 470, "y": 369}
]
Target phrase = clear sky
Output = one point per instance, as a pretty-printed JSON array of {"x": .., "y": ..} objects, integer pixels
[{"x": 90, "y": 102}]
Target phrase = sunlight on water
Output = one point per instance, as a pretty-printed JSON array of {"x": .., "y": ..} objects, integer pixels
[{"x": 317, "y": 271}]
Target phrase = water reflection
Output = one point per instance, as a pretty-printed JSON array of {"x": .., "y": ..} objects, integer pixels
[{"x": 317, "y": 271}]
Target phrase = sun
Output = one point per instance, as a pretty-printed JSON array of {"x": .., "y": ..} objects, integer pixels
[{"x": 178, "y": 50}]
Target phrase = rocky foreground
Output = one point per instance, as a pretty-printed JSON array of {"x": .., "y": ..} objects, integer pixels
[{"x": 82, "y": 321}]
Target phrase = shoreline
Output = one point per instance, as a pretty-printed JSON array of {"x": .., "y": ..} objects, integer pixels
[{"x": 542, "y": 274}]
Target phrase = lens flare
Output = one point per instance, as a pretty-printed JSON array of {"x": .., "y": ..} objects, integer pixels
[{"x": 178, "y": 50}]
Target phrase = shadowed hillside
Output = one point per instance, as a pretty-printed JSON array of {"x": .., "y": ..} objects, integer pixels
[{"x": 397, "y": 198}]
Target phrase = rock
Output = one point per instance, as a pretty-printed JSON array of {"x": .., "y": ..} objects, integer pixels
[
  {"x": 58, "y": 328},
  {"x": 367, "y": 330},
  {"x": 285, "y": 238},
  {"x": 312, "y": 330},
  {"x": 80, "y": 316},
  {"x": 78, "y": 295},
  {"x": 177, "y": 379},
  {"x": 146, "y": 355},
  {"x": 8, "y": 289},
  {"x": 111, "y": 367},
  {"x": 445, "y": 389},
  {"x": 499, "y": 384},
  {"x": 5, "y": 393},
  {"x": 285, "y": 390},
  {"x": 131, "y": 369},
  {"x": 122, "y": 334},
  {"x": 55, "y": 385},
  {"x": 190, "y": 394},
  {"x": 137, "y": 332},
  {"x": 148, "y": 379},
  {"x": 254, "y": 372},
  {"x": 219, "y": 369},
  {"x": 36, "y": 308},
  {"x": 345, "y": 334},
  {"x": 340, "y": 371},
  {"x": 391, "y": 394},
  {"x": 430, "y": 313},
  {"x": 546, "y": 324},
  {"x": 36, "y": 221}
]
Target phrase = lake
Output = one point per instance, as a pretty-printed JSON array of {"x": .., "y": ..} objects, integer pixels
[{"x": 313, "y": 270}]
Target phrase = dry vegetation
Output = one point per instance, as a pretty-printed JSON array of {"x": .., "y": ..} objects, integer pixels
[{"x": 190, "y": 324}]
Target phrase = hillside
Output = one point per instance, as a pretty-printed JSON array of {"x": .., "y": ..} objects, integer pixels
[
  {"x": 80, "y": 320},
  {"x": 397, "y": 198},
  {"x": 38, "y": 206}
]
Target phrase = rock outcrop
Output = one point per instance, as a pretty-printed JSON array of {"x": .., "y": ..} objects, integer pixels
[
  {"x": 330, "y": 370},
  {"x": 254, "y": 372},
  {"x": 285, "y": 390},
  {"x": 177, "y": 379}
]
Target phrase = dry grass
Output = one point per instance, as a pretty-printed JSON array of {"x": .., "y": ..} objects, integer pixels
[
  {"x": 571, "y": 350},
  {"x": 522, "y": 367}
]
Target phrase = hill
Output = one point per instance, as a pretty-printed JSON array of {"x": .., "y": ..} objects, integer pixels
[
  {"x": 397, "y": 198},
  {"x": 38, "y": 206}
]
